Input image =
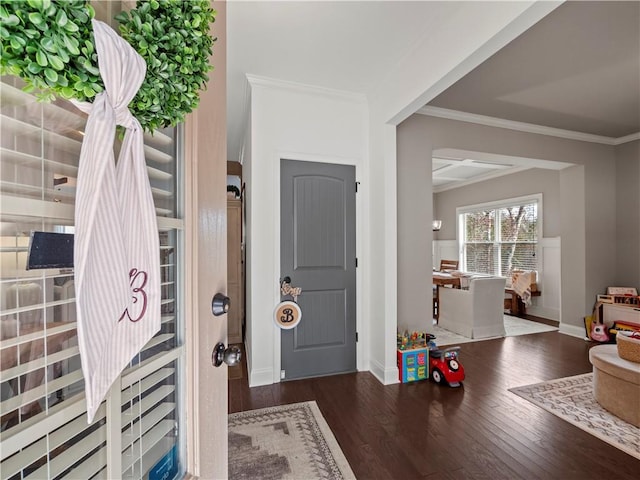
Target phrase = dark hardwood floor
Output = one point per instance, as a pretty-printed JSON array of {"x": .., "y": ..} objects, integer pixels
[{"x": 478, "y": 431}]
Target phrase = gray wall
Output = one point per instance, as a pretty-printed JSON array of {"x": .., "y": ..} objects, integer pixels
[
  {"x": 519, "y": 184},
  {"x": 415, "y": 203},
  {"x": 587, "y": 209},
  {"x": 628, "y": 214}
]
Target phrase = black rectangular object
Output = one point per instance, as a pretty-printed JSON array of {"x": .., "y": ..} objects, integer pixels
[{"x": 50, "y": 250}]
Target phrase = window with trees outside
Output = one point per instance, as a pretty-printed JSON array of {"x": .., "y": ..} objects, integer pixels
[{"x": 500, "y": 237}]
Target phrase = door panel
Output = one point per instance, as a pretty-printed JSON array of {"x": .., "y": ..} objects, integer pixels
[
  {"x": 333, "y": 330},
  {"x": 318, "y": 253},
  {"x": 319, "y": 223}
]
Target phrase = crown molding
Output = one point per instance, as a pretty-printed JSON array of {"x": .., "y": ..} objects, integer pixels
[
  {"x": 629, "y": 138},
  {"x": 523, "y": 127},
  {"x": 256, "y": 80},
  {"x": 245, "y": 108}
]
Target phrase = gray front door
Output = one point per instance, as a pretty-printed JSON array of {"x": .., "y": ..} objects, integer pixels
[{"x": 318, "y": 253}]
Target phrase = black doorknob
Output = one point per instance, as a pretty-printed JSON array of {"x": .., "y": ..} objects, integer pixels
[
  {"x": 220, "y": 304},
  {"x": 231, "y": 355}
]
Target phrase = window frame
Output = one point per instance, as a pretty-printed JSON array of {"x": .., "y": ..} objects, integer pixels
[{"x": 497, "y": 205}]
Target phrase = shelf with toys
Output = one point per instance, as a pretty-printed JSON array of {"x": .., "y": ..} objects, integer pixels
[
  {"x": 412, "y": 356},
  {"x": 618, "y": 310},
  {"x": 620, "y": 304}
]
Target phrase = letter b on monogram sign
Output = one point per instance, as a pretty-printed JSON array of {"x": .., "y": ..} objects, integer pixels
[{"x": 287, "y": 314}]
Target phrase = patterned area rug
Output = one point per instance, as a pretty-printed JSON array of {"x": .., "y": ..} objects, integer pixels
[
  {"x": 572, "y": 400},
  {"x": 513, "y": 326},
  {"x": 286, "y": 442}
]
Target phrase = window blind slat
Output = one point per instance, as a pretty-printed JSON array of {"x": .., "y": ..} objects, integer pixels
[
  {"x": 16, "y": 127},
  {"x": 71, "y": 455},
  {"x": 163, "y": 212},
  {"x": 149, "y": 365},
  {"x": 131, "y": 434},
  {"x": 96, "y": 463},
  {"x": 151, "y": 458},
  {"x": 33, "y": 365},
  {"x": 24, "y": 309},
  {"x": 27, "y": 160},
  {"x": 31, "y": 207},
  {"x": 56, "y": 329},
  {"x": 51, "y": 139},
  {"x": 151, "y": 153},
  {"x": 130, "y": 392},
  {"x": 166, "y": 224},
  {"x": 158, "y": 139},
  {"x": 73, "y": 428},
  {"x": 36, "y": 393},
  {"x": 13, "y": 249},
  {"x": 149, "y": 440},
  {"x": 22, "y": 435},
  {"x": 36, "y": 450},
  {"x": 24, "y": 458},
  {"x": 36, "y": 191},
  {"x": 15, "y": 96},
  {"x": 63, "y": 169},
  {"x": 158, "y": 192},
  {"x": 147, "y": 402},
  {"x": 156, "y": 174},
  {"x": 101, "y": 475},
  {"x": 157, "y": 340}
]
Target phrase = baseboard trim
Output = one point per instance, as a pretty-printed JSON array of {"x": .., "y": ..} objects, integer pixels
[
  {"x": 572, "y": 330},
  {"x": 386, "y": 376},
  {"x": 258, "y": 378},
  {"x": 544, "y": 312}
]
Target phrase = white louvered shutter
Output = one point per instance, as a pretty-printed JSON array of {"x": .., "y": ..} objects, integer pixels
[{"x": 44, "y": 431}]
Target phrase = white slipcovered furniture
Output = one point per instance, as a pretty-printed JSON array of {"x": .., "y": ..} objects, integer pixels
[{"x": 476, "y": 312}]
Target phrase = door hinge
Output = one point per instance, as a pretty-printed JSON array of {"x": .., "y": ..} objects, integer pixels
[
  {"x": 356, "y": 337},
  {"x": 282, "y": 375},
  {"x": 356, "y": 262},
  {"x": 357, "y": 183}
]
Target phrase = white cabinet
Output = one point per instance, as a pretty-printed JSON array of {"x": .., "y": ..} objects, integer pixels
[{"x": 612, "y": 312}]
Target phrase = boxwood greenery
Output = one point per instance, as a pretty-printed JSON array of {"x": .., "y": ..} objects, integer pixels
[{"x": 49, "y": 44}]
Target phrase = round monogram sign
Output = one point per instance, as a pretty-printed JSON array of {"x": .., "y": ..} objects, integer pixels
[{"x": 287, "y": 314}]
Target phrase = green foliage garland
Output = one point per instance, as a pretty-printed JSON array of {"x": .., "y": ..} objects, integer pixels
[
  {"x": 173, "y": 38},
  {"x": 50, "y": 45}
]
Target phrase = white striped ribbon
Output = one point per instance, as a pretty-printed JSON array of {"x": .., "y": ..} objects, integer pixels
[{"x": 116, "y": 246}]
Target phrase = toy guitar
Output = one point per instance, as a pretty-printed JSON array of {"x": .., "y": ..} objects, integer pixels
[{"x": 599, "y": 332}]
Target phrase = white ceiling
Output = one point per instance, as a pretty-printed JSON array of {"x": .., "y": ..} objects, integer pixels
[
  {"x": 577, "y": 69},
  {"x": 340, "y": 45}
]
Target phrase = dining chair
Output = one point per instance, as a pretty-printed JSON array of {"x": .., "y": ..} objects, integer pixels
[{"x": 449, "y": 265}]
